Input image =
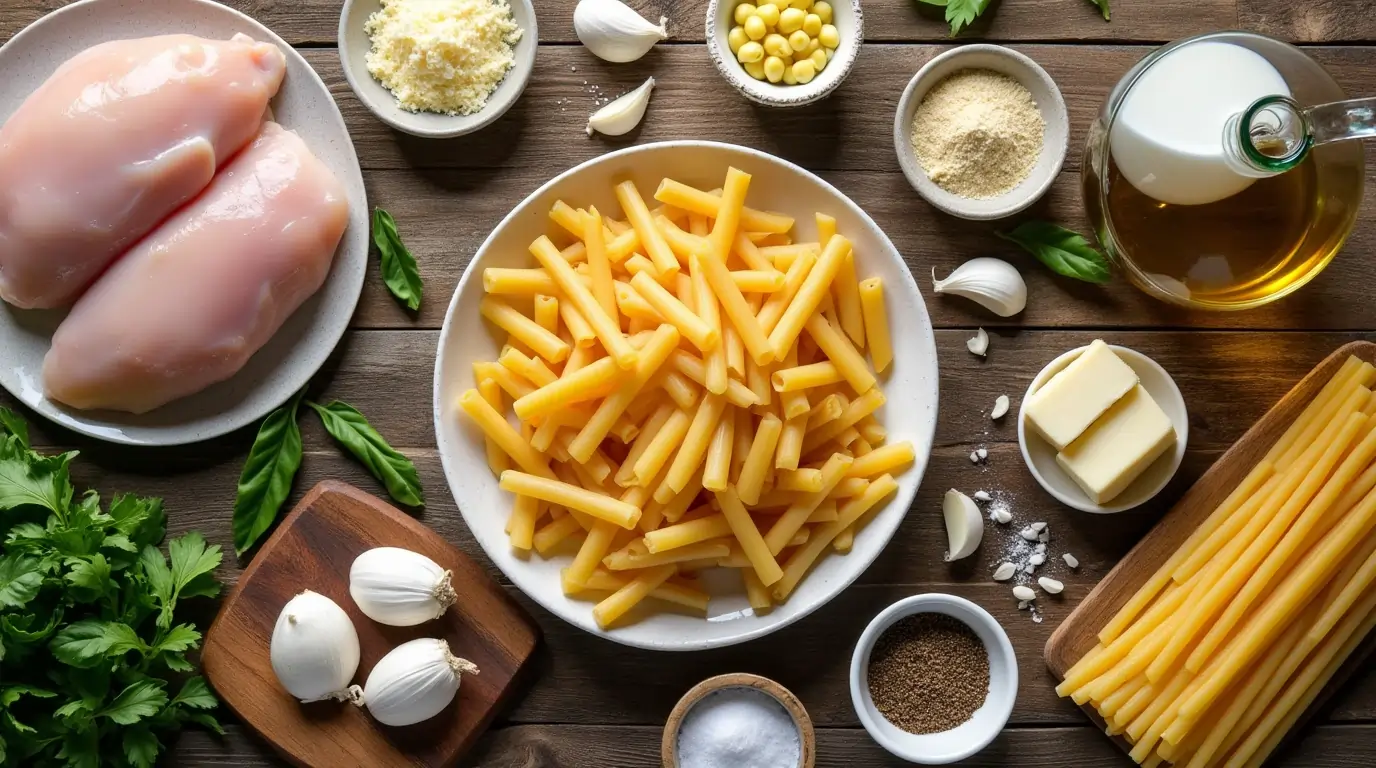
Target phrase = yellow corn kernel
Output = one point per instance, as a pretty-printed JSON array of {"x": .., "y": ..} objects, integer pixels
[
  {"x": 750, "y": 53},
  {"x": 755, "y": 28},
  {"x": 789, "y": 78},
  {"x": 791, "y": 20},
  {"x": 823, "y": 10},
  {"x": 815, "y": 45},
  {"x": 774, "y": 69},
  {"x": 743, "y": 12},
  {"x": 819, "y": 60},
  {"x": 812, "y": 24},
  {"x": 769, "y": 14},
  {"x": 804, "y": 70},
  {"x": 755, "y": 69},
  {"x": 736, "y": 38},
  {"x": 829, "y": 36},
  {"x": 798, "y": 40}
]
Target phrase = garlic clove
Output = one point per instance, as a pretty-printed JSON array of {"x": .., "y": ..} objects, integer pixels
[
  {"x": 622, "y": 114},
  {"x": 964, "y": 525},
  {"x": 1051, "y": 586},
  {"x": 414, "y": 682},
  {"x": 992, "y": 283},
  {"x": 1024, "y": 593},
  {"x": 978, "y": 344},
  {"x": 1000, "y": 407},
  {"x": 314, "y": 649},
  {"x": 614, "y": 32},
  {"x": 1005, "y": 572},
  {"x": 400, "y": 588}
]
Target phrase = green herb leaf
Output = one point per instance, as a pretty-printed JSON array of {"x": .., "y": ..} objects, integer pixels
[
  {"x": 206, "y": 721},
  {"x": 1103, "y": 7},
  {"x": 81, "y": 748},
  {"x": 192, "y": 560},
  {"x": 196, "y": 694},
  {"x": 20, "y": 579},
  {"x": 72, "y": 709},
  {"x": 962, "y": 13},
  {"x": 266, "y": 480},
  {"x": 177, "y": 662},
  {"x": 141, "y": 747},
  {"x": 352, "y": 430},
  {"x": 156, "y": 574},
  {"x": 182, "y": 637},
  {"x": 17, "y": 628},
  {"x": 14, "y": 424},
  {"x": 1067, "y": 253},
  {"x": 91, "y": 576},
  {"x": 141, "y": 699},
  {"x": 399, "y": 268},
  {"x": 142, "y": 520},
  {"x": 27, "y": 483},
  {"x": 11, "y": 693},
  {"x": 87, "y": 642}
]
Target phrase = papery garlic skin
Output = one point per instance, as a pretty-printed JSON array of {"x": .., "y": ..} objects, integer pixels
[
  {"x": 614, "y": 32},
  {"x": 621, "y": 115},
  {"x": 400, "y": 588},
  {"x": 314, "y": 649},
  {"x": 992, "y": 283},
  {"x": 414, "y": 682}
]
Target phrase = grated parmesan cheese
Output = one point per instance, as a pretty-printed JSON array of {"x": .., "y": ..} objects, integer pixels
[{"x": 445, "y": 56}]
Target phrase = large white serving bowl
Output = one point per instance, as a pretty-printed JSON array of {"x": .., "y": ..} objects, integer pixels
[{"x": 910, "y": 384}]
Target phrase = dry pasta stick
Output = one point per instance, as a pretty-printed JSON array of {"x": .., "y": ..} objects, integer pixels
[
  {"x": 717, "y": 468},
  {"x": 858, "y": 408},
  {"x": 525, "y": 330},
  {"x": 531, "y": 369},
  {"x": 635, "y": 556},
  {"x": 779, "y": 301},
  {"x": 1110, "y": 706},
  {"x": 756, "y": 593},
  {"x": 592, "y": 381},
  {"x": 573, "y": 220},
  {"x": 555, "y": 533},
  {"x": 758, "y": 281},
  {"x": 844, "y": 541},
  {"x": 685, "y": 533},
  {"x": 517, "y": 282},
  {"x": 546, "y": 312},
  {"x": 827, "y": 411},
  {"x": 579, "y": 329},
  {"x": 635, "y": 308},
  {"x": 676, "y": 509},
  {"x": 735, "y": 351},
  {"x": 1338, "y": 381},
  {"x": 757, "y": 381},
  {"x": 679, "y": 389},
  {"x": 790, "y": 448},
  {"x": 826, "y": 511},
  {"x": 809, "y": 297},
  {"x": 571, "y": 496},
  {"x": 728, "y": 216},
  {"x": 694, "y": 200},
  {"x": 805, "y": 376},
  {"x": 847, "y": 289},
  {"x": 736, "y": 393},
  {"x": 497, "y": 460},
  {"x": 733, "y": 303},
  {"x": 876, "y": 321},
  {"x": 803, "y": 558},
  {"x": 752, "y": 543},
  {"x": 521, "y": 526},
  {"x": 802, "y": 480},
  {"x": 626, "y": 598},
  {"x": 826, "y": 227},
  {"x": 793, "y": 403},
  {"x": 1360, "y": 378},
  {"x": 691, "y": 453},
  {"x": 494, "y": 426},
  {"x": 849, "y": 362},
  {"x": 756, "y": 466},
  {"x": 693, "y": 328},
  {"x": 651, "y": 358},
  {"x": 751, "y": 256},
  {"x": 710, "y": 312},
  {"x": 513, "y": 385},
  {"x": 599, "y": 265},
  {"x": 682, "y": 595},
  {"x": 633, "y": 205},
  {"x": 742, "y": 435},
  {"x": 784, "y": 255},
  {"x": 608, "y": 332},
  {"x": 595, "y": 547},
  {"x": 801, "y": 510},
  {"x": 656, "y": 453},
  {"x": 873, "y": 432},
  {"x": 883, "y": 459}
]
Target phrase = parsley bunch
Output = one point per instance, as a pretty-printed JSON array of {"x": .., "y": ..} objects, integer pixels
[{"x": 88, "y": 642}]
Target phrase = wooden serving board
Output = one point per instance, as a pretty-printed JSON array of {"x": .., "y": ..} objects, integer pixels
[
  {"x": 1079, "y": 632},
  {"x": 313, "y": 549}
]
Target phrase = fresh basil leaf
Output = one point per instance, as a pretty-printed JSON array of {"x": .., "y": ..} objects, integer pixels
[
  {"x": 196, "y": 694},
  {"x": 182, "y": 637},
  {"x": 20, "y": 579},
  {"x": 1103, "y": 7},
  {"x": 14, "y": 424},
  {"x": 87, "y": 642},
  {"x": 399, "y": 270},
  {"x": 141, "y": 747},
  {"x": 1065, "y": 252},
  {"x": 962, "y": 13},
  {"x": 266, "y": 480},
  {"x": 141, "y": 699},
  {"x": 352, "y": 430}
]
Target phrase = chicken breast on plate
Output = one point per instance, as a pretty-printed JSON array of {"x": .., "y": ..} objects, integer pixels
[
  {"x": 190, "y": 304},
  {"x": 120, "y": 136}
]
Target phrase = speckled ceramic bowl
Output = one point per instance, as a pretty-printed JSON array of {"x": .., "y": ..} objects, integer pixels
[{"x": 847, "y": 19}]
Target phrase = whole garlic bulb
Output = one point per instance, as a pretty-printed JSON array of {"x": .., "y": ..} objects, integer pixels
[
  {"x": 614, "y": 32},
  {"x": 314, "y": 649},
  {"x": 400, "y": 588},
  {"x": 994, "y": 284},
  {"x": 414, "y": 682}
]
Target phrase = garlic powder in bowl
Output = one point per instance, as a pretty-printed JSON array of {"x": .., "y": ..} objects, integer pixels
[{"x": 443, "y": 56}]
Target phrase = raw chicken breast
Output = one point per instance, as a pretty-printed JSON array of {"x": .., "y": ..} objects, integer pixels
[
  {"x": 119, "y": 137},
  {"x": 191, "y": 303}
]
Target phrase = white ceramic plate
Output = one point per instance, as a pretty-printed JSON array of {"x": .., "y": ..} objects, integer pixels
[
  {"x": 1041, "y": 455},
  {"x": 298, "y": 350},
  {"x": 910, "y": 384}
]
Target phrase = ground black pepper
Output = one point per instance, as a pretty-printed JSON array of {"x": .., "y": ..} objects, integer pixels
[{"x": 928, "y": 673}]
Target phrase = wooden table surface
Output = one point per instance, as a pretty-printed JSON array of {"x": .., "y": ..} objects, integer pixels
[{"x": 600, "y": 705}]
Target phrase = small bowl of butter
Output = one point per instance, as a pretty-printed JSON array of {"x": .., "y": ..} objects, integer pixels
[{"x": 1103, "y": 428}]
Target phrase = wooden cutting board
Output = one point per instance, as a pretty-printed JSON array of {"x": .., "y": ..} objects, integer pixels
[
  {"x": 313, "y": 549},
  {"x": 1078, "y": 633}
]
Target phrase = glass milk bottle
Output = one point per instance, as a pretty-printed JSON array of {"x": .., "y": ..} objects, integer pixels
[{"x": 1220, "y": 174}]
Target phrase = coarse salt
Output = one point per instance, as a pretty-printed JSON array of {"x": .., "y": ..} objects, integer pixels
[{"x": 735, "y": 727}]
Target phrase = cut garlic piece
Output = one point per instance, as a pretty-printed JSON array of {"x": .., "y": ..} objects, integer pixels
[
  {"x": 979, "y": 344},
  {"x": 621, "y": 115},
  {"x": 1005, "y": 572},
  {"x": 1070, "y": 560},
  {"x": 964, "y": 525},
  {"x": 1024, "y": 593},
  {"x": 1051, "y": 586},
  {"x": 983, "y": 496},
  {"x": 1000, "y": 407},
  {"x": 1003, "y": 516},
  {"x": 992, "y": 283}
]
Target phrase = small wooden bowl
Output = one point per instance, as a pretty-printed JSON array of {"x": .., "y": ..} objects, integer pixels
[{"x": 807, "y": 737}]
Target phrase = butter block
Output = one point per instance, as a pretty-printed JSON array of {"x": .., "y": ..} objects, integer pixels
[
  {"x": 1079, "y": 394},
  {"x": 1119, "y": 446}
]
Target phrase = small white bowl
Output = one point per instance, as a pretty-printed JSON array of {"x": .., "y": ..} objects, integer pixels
[
  {"x": 972, "y": 735},
  {"x": 354, "y": 45},
  {"x": 1041, "y": 455},
  {"x": 849, "y": 23},
  {"x": 1044, "y": 91}
]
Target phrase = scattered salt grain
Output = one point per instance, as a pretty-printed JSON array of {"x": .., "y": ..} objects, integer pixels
[
  {"x": 974, "y": 457},
  {"x": 1029, "y": 533},
  {"x": 738, "y": 726},
  {"x": 982, "y": 454}
]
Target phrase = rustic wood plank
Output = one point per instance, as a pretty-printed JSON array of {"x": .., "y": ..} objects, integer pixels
[
  {"x": 1322, "y": 21},
  {"x": 577, "y": 746},
  {"x": 315, "y": 22}
]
